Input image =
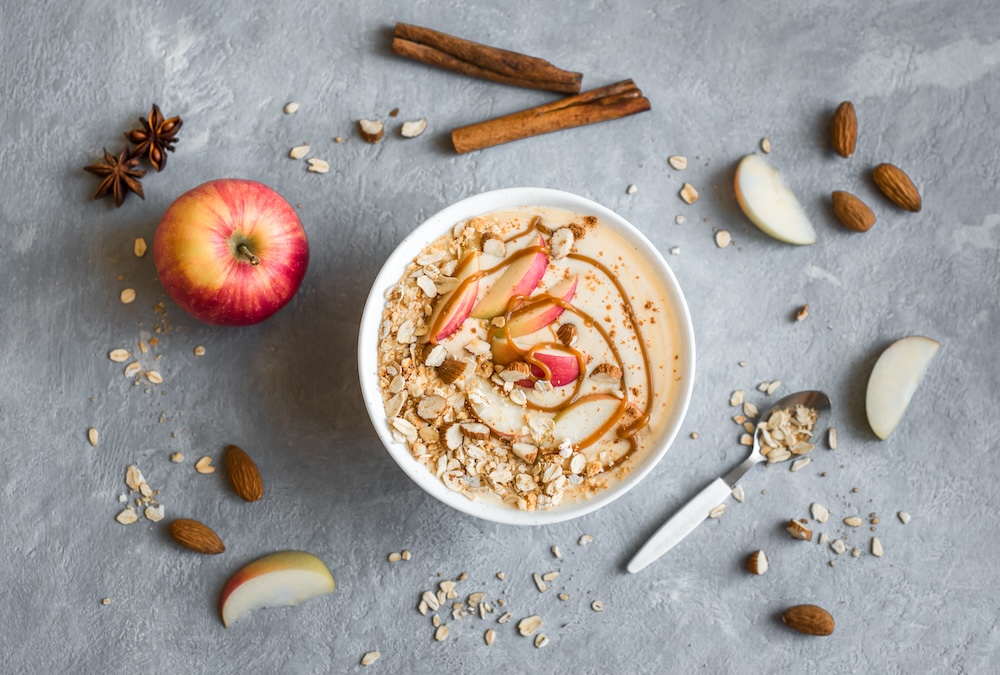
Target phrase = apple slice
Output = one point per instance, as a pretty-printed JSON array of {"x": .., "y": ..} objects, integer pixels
[
  {"x": 494, "y": 409},
  {"x": 540, "y": 314},
  {"x": 453, "y": 307},
  {"x": 565, "y": 368},
  {"x": 585, "y": 417},
  {"x": 520, "y": 278},
  {"x": 894, "y": 379},
  {"x": 281, "y": 579},
  {"x": 770, "y": 204}
]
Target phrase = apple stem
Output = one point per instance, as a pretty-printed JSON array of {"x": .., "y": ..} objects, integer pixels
[{"x": 254, "y": 260}]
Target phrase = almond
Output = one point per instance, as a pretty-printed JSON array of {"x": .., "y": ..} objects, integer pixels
[
  {"x": 757, "y": 563},
  {"x": 244, "y": 474},
  {"x": 808, "y": 619},
  {"x": 799, "y": 531},
  {"x": 607, "y": 372},
  {"x": 196, "y": 536},
  {"x": 451, "y": 369},
  {"x": 844, "y": 129},
  {"x": 567, "y": 334},
  {"x": 852, "y": 213},
  {"x": 897, "y": 186},
  {"x": 371, "y": 130}
]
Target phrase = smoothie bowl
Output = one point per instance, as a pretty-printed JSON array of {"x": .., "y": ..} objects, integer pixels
[{"x": 526, "y": 356}]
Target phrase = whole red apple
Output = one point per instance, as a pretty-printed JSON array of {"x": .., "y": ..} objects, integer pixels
[{"x": 231, "y": 252}]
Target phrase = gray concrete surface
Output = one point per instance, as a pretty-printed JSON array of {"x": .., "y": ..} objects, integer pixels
[{"x": 925, "y": 77}]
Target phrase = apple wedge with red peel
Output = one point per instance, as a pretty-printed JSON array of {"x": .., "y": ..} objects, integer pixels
[
  {"x": 894, "y": 380},
  {"x": 495, "y": 409},
  {"x": 281, "y": 579},
  {"x": 453, "y": 308},
  {"x": 565, "y": 368},
  {"x": 585, "y": 417},
  {"x": 520, "y": 278},
  {"x": 541, "y": 312},
  {"x": 770, "y": 204}
]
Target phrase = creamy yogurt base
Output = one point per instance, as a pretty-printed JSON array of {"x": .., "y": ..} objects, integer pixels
[{"x": 534, "y": 446}]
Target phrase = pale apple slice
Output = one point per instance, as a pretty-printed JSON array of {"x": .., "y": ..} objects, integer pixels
[
  {"x": 542, "y": 312},
  {"x": 565, "y": 368},
  {"x": 281, "y": 579},
  {"x": 770, "y": 204},
  {"x": 494, "y": 409},
  {"x": 894, "y": 379},
  {"x": 520, "y": 278},
  {"x": 585, "y": 417},
  {"x": 453, "y": 307}
]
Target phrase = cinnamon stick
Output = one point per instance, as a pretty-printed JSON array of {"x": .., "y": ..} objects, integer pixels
[
  {"x": 471, "y": 58},
  {"x": 597, "y": 105}
]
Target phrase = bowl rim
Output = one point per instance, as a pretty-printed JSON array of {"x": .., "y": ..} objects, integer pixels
[{"x": 390, "y": 273}]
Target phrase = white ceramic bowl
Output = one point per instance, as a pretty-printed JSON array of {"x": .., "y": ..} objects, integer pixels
[{"x": 442, "y": 222}]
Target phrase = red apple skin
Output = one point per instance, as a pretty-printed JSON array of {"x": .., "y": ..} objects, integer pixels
[
  {"x": 520, "y": 278},
  {"x": 565, "y": 369},
  {"x": 276, "y": 562},
  {"x": 196, "y": 252},
  {"x": 538, "y": 317},
  {"x": 458, "y": 308}
]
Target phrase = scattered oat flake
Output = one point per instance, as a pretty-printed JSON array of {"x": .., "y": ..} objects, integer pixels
[
  {"x": 204, "y": 465},
  {"x": 556, "y": 552},
  {"x": 855, "y": 552},
  {"x": 127, "y": 295},
  {"x": 541, "y": 640},
  {"x": 717, "y": 511},
  {"x": 564, "y": 596},
  {"x": 750, "y": 410},
  {"x": 139, "y": 248},
  {"x": 528, "y": 625},
  {"x": 199, "y": 351},
  {"x": 819, "y": 512},
  {"x": 585, "y": 539},
  {"x": 597, "y": 606},
  {"x": 678, "y": 162},
  {"x": 299, "y": 151},
  {"x": 441, "y": 633},
  {"x": 765, "y": 145},
  {"x": 736, "y": 398},
  {"x": 132, "y": 369},
  {"x": 119, "y": 355},
  {"x": 370, "y": 658},
  {"x": 395, "y": 556},
  {"x": 317, "y": 165},
  {"x": 127, "y": 517},
  {"x": 679, "y": 219},
  {"x": 746, "y": 439},
  {"x": 763, "y": 386},
  {"x": 133, "y": 478},
  {"x": 154, "y": 513},
  {"x": 92, "y": 436},
  {"x": 688, "y": 193},
  {"x": 772, "y": 387},
  {"x": 539, "y": 583},
  {"x": 501, "y": 576},
  {"x": 676, "y": 250},
  {"x": 876, "y": 547},
  {"x": 291, "y": 107},
  {"x": 412, "y": 129},
  {"x": 505, "y": 618},
  {"x": 489, "y": 636},
  {"x": 738, "y": 493},
  {"x": 631, "y": 189},
  {"x": 694, "y": 435},
  {"x": 106, "y": 601},
  {"x": 802, "y": 313},
  {"x": 550, "y": 576},
  {"x": 177, "y": 457},
  {"x": 852, "y": 521},
  {"x": 154, "y": 377},
  {"x": 405, "y": 555},
  {"x": 823, "y": 538},
  {"x": 904, "y": 517},
  {"x": 831, "y": 438},
  {"x": 800, "y": 463},
  {"x": 838, "y": 546},
  {"x": 723, "y": 239}
]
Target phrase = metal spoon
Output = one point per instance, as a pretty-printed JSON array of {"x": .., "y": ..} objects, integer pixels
[{"x": 695, "y": 511}]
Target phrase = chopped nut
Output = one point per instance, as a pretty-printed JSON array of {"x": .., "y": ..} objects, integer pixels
[
  {"x": 505, "y": 618},
  {"x": 904, "y": 517},
  {"x": 585, "y": 539},
  {"x": 119, "y": 355},
  {"x": 412, "y": 129},
  {"x": 133, "y": 478},
  {"x": 489, "y": 636},
  {"x": 177, "y": 457},
  {"x": 597, "y": 606},
  {"x": 717, "y": 511},
  {"x": 493, "y": 245},
  {"x": 765, "y": 145},
  {"x": 370, "y": 658},
  {"x": 823, "y": 538},
  {"x": 204, "y": 465},
  {"x": 757, "y": 563},
  {"x": 567, "y": 334},
  {"x": 852, "y": 521},
  {"x": 607, "y": 373},
  {"x": 475, "y": 430},
  {"x": 317, "y": 165},
  {"x": 199, "y": 351},
  {"x": 838, "y": 546},
  {"x": 515, "y": 372},
  {"x": 501, "y": 576},
  {"x": 291, "y": 107},
  {"x": 406, "y": 555},
  {"x": 395, "y": 556},
  {"x": 678, "y": 162},
  {"x": 802, "y": 313},
  {"x": 722, "y": 238},
  {"x": 541, "y": 640},
  {"x": 819, "y": 512},
  {"x": 631, "y": 189},
  {"x": 675, "y": 250},
  {"x": 688, "y": 193},
  {"x": 451, "y": 369},
  {"x": 92, "y": 436},
  {"x": 876, "y": 547},
  {"x": 694, "y": 435},
  {"x": 139, "y": 247},
  {"x": 106, "y": 601},
  {"x": 556, "y": 552},
  {"x": 371, "y": 130},
  {"x": 799, "y": 531},
  {"x": 680, "y": 219},
  {"x": 738, "y": 493},
  {"x": 855, "y": 552},
  {"x": 127, "y": 296}
]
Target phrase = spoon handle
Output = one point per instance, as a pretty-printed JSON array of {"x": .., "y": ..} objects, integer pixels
[{"x": 681, "y": 524}]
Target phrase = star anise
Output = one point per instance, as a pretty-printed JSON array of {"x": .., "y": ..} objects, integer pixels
[
  {"x": 120, "y": 176},
  {"x": 156, "y": 136}
]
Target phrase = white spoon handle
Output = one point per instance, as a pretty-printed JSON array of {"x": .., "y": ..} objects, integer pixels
[{"x": 681, "y": 524}]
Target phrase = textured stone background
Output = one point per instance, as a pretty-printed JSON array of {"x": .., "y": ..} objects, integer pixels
[{"x": 925, "y": 77}]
